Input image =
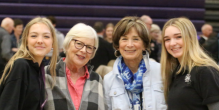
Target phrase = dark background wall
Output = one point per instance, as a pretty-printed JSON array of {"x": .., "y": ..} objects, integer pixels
[{"x": 70, "y": 12}]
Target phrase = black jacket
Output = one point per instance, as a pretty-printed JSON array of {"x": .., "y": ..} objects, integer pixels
[
  {"x": 154, "y": 50},
  {"x": 104, "y": 54},
  {"x": 201, "y": 41},
  {"x": 24, "y": 87},
  {"x": 210, "y": 46}
]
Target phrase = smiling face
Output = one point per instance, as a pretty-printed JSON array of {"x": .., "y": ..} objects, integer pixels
[
  {"x": 173, "y": 42},
  {"x": 79, "y": 57},
  {"x": 131, "y": 46},
  {"x": 39, "y": 41}
]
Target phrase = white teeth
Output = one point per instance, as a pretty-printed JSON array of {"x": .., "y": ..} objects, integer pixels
[
  {"x": 81, "y": 56},
  {"x": 175, "y": 49},
  {"x": 129, "y": 50}
]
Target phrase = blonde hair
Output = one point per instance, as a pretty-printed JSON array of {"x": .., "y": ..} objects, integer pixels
[
  {"x": 155, "y": 27},
  {"x": 81, "y": 30},
  {"x": 192, "y": 56},
  {"x": 23, "y": 51}
]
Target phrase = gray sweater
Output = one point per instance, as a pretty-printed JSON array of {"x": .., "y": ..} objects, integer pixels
[{"x": 5, "y": 45}]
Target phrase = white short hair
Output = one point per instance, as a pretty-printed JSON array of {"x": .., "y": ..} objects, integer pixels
[
  {"x": 205, "y": 26},
  {"x": 145, "y": 18},
  {"x": 81, "y": 30}
]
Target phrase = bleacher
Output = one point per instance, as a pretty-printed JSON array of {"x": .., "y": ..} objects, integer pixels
[
  {"x": 212, "y": 13},
  {"x": 70, "y": 12}
]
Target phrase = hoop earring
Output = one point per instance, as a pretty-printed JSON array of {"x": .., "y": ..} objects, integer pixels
[
  {"x": 144, "y": 52},
  {"x": 117, "y": 53}
]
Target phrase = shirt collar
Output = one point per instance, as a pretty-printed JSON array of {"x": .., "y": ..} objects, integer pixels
[
  {"x": 100, "y": 36},
  {"x": 86, "y": 75},
  {"x": 206, "y": 38},
  {"x": 14, "y": 37},
  {"x": 36, "y": 66}
]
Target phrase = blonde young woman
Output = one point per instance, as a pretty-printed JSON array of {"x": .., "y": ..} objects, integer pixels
[
  {"x": 22, "y": 83},
  {"x": 191, "y": 78}
]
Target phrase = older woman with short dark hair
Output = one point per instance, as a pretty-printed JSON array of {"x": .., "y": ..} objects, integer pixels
[
  {"x": 135, "y": 82},
  {"x": 77, "y": 87}
]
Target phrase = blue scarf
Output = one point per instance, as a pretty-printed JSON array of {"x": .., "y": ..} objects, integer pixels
[{"x": 133, "y": 82}]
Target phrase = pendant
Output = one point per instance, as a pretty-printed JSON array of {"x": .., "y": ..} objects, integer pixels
[{"x": 188, "y": 78}]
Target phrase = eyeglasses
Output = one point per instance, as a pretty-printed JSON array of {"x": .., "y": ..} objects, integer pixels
[{"x": 79, "y": 45}]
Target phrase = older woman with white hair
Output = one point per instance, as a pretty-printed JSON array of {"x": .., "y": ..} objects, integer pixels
[{"x": 76, "y": 86}]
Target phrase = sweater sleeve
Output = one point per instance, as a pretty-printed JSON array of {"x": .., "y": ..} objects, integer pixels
[
  {"x": 14, "y": 88},
  {"x": 6, "y": 47},
  {"x": 207, "y": 80}
]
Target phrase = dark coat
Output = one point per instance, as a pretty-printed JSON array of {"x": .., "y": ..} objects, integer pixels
[
  {"x": 24, "y": 88},
  {"x": 210, "y": 46},
  {"x": 104, "y": 54}
]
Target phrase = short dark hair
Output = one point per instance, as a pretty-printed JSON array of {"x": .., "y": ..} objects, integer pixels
[
  {"x": 18, "y": 22},
  {"x": 98, "y": 26},
  {"x": 52, "y": 19},
  {"x": 123, "y": 27}
]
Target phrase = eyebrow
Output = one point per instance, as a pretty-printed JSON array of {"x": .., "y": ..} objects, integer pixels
[
  {"x": 174, "y": 35},
  {"x": 84, "y": 43},
  {"x": 43, "y": 33},
  {"x": 126, "y": 36}
]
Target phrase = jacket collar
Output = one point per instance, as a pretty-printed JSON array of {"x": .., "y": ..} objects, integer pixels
[
  {"x": 5, "y": 30},
  {"x": 146, "y": 60},
  {"x": 35, "y": 65}
]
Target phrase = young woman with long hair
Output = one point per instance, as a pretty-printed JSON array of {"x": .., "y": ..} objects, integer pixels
[{"x": 22, "y": 84}]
